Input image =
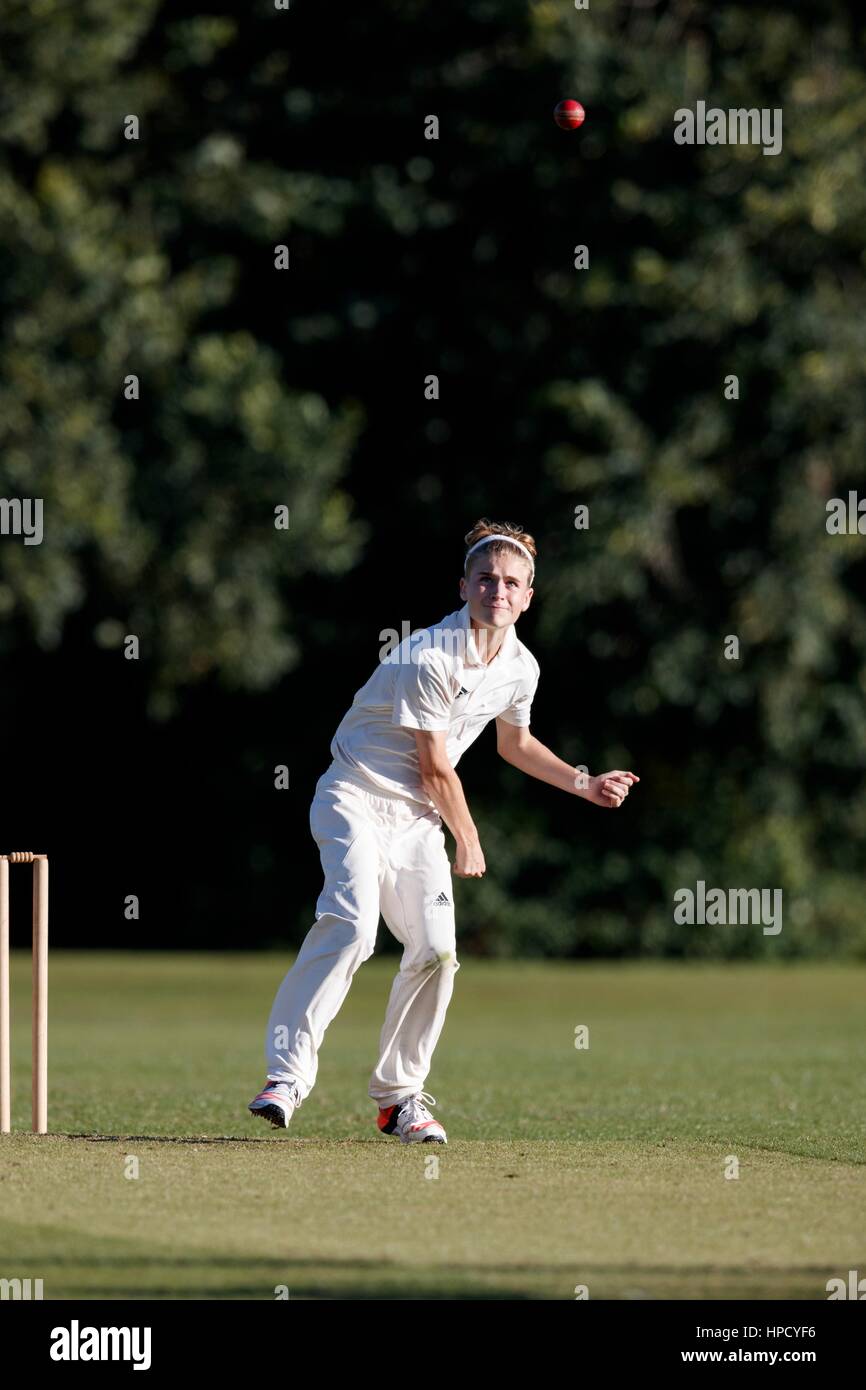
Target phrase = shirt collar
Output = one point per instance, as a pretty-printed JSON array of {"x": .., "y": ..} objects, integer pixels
[{"x": 506, "y": 652}]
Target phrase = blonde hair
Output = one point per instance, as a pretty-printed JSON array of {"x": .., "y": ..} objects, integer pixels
[{"x": 485, "y": 527}]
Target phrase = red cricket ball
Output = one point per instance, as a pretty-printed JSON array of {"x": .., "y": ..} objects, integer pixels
[{"x": 569, "y": 115}]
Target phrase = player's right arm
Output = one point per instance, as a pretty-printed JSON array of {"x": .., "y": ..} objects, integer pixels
[{"x": 445, "y": 790}]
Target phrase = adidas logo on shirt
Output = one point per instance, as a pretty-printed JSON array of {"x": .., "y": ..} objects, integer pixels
[{"x": 437, "y": 902}]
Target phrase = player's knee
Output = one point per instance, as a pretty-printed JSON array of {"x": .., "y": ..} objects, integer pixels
[
  {"x": 444, "y": 960},
  {"x": 358, "y": 933}
]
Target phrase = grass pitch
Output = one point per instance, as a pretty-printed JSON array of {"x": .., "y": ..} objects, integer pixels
[{"x": 602, "y": 1167}]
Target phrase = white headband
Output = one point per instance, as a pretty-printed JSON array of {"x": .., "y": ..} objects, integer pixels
[{"x": 511, "y": 541}]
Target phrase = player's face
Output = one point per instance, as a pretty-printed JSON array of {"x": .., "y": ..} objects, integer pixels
[{"x": 497, "y": 591}]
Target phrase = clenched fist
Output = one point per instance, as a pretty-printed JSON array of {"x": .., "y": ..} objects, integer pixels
[
  {"x": 609, "y": 788},
  {"x": 469, "y": 861}
]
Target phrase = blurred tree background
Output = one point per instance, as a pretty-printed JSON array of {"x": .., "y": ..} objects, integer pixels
[{"x": 305, "y": 388}]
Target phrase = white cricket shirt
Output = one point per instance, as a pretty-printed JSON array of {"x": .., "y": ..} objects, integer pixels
[{"x": 434, "y": 679}]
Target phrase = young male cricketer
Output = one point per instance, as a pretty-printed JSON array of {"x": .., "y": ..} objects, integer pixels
[{"x": 377, "y": 819}]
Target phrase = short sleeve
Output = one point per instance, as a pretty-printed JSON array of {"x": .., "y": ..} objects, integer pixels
[
  {"x": 519, "y": 709},
  {"x": 422, "y": 695}
]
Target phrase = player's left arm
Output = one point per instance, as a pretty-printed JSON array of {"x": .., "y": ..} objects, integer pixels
[{"x": 519, "y": 747}]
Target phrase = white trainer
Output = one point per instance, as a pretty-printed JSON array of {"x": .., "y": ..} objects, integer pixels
[
  {"x": 277, "y": 1102},
  {"x": 411, "y": 1121}
]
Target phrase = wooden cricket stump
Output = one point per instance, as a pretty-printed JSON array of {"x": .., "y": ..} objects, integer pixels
[{"x": 39, "y": 1077}]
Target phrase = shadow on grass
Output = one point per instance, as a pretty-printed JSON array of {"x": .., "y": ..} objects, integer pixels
[
  {"x": 209, "y": 1139},
  {"x": 337, "y": 1280}
]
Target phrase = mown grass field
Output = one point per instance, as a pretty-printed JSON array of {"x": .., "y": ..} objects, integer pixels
[{"x": 602, "y": 1167}]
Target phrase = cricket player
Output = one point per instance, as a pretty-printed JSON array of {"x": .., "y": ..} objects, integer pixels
[{"x": 377, "y": 819}]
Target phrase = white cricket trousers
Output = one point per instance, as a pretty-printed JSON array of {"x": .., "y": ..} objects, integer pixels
[{"x": 380, "y": 854}]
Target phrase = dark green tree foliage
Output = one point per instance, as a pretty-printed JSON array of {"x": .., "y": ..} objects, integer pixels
[
  {"x": 123, "y": 260},
  {"x": 559, "y": 387}
]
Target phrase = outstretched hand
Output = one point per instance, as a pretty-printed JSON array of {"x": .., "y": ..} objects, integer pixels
[{"x": 610, "y": 788}]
